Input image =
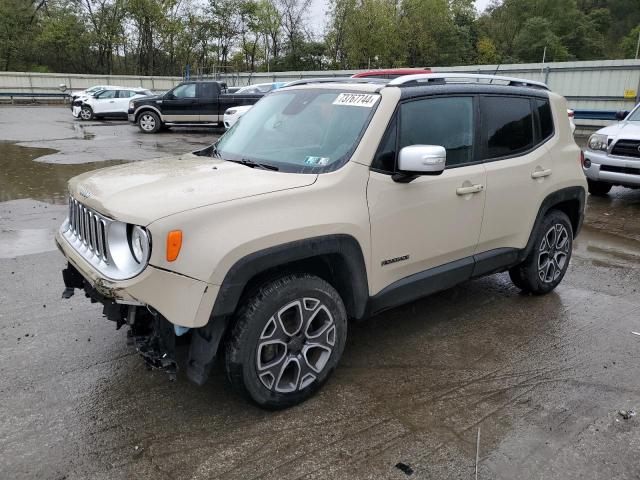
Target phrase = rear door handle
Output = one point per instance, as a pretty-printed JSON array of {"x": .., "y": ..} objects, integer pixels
[
  {"x": 472, "y": 189},
  {"x": 541, "y": 173}
]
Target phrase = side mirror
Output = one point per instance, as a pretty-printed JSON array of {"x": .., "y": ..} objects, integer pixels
[
  {"x": 416, "y": 160},
  {"x": 169, "y": 96},
  {"x": 622, "y": 114}
]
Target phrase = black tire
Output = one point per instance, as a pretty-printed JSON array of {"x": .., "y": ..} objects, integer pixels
[
  {"x": 149, "y": 122},
  {"x": 86, "y": 113},
  {"x": 545, "y": 267},
  {"x": 267, "y": 364},
  {"x": 599, "y": 189}
]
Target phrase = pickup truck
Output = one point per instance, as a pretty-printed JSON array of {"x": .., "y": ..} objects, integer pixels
[{"x": 201, "y": 103}]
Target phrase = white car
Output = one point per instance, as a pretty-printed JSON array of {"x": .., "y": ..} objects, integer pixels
[
  {"x": 232, "y": 115},
  {"x": 82, "y": 94},
  {"x": 260, "y": 88},
  {"x": 572, "y": 122},
  {"x": 111, "y": 102}
]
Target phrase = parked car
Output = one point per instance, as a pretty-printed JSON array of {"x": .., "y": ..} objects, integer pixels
[
  {"x": 572, "y": 116},
  {"x": 261, "y": 88},
  {"x": 612, "y": 156},
  {"x": 391, "y": 73},
  {"x": 232, "y": 115},
  {"x": 327, "y": 202},
  {"x": 201, "y": 103},
  {"x": 111, "y": 102},
  {"x": 91, "y": 90}
]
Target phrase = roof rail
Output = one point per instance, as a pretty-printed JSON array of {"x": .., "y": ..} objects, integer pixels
[
  {"x": 307, "y": 81},
  {"x": 440, "y": 78}
]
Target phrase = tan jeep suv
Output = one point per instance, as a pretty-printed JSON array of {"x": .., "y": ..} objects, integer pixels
[{"x": 330, "y": 200}]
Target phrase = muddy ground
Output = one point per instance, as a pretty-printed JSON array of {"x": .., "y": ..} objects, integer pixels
[{"x": 542, "y": 378}]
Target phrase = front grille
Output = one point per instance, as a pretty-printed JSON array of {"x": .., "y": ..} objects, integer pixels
[
  {"x": 89, "y": 227},
  {"x": 626, "y": 148},
  {"x": 627, "y": 170}
]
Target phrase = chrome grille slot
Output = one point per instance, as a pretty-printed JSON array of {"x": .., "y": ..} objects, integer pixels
[
  {"x": 103, "y": 242},
  {"x": 89, "y": 228}
]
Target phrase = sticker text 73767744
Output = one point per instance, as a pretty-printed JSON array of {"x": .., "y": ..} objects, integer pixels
[{"x": 356, "y": 99}]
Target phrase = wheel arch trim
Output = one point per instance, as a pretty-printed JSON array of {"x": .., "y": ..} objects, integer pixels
[
  {"x": 350, "y": 270},
  {"x": 564, "y": 196},
  {"x": 143, "y": 108}
]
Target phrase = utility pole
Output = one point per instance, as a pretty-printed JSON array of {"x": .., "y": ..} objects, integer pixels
[{"x": 638, "y": 46}]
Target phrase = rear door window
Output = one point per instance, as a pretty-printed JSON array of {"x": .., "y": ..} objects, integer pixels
[{"x": 508, "y": 125}]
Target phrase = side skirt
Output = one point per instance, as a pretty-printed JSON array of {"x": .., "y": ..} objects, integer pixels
[{"x": 440, "y": 278}]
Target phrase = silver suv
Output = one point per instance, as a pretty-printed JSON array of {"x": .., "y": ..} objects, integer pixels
[
  {"x": 613, "y": 155},
  {"x": 332, "y": 200}
]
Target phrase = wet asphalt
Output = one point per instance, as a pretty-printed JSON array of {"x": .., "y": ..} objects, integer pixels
[{"x": 542, "y": 378}]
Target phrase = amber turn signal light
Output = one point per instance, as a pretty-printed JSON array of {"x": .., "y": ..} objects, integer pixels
[{"x": 174, "y": 243}]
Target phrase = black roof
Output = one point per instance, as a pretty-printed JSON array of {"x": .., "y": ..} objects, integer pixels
[{"x": 412, "y": 91}]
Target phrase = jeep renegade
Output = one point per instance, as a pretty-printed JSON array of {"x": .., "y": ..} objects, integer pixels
[{"x": 333, "y": 199}]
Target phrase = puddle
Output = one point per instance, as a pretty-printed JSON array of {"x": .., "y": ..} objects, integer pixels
[
  {"x": 22, "y": 177},
  {"x": 607, "y": 249}
]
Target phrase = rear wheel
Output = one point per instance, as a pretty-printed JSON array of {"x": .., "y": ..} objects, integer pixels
[
  {"x": 545, "y": 267},
  {"x": 149, "y": 122},
  {"x": 599, "y": 189},
  {"x": 86, "y": 113},
  {"x": 287, "y": 339}
]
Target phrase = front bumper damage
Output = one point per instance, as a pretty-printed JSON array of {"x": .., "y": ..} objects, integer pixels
[{"x": 152, "y": 334}]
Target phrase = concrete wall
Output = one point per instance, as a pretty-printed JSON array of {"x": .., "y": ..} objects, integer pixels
[
  {"x": 26, "y": 82},
  {"x": 595, "y": 85}
]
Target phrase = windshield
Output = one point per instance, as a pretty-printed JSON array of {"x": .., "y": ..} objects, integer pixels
[
  {"x": 304, "y": 131},
  {"x": 634, "y": 116}
]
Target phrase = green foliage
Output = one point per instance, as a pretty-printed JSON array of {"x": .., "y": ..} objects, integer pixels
[{"x": 162, "y": 37}]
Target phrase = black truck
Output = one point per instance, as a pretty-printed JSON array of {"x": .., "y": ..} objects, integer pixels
[{"x": 201, "y": 102}]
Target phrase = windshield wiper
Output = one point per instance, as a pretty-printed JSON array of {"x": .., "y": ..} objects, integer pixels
[{"x": 250, "y": 163}]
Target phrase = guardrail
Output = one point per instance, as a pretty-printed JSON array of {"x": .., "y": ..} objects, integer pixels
[{"x": 595, "y": 114}]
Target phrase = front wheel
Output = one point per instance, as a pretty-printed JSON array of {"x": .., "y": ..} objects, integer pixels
[
  {"x": 86, "y": 113},
  {"x": 287, "y": 339},
  {"x": 149, "y": 122},
  {"x": 545, "y": 267}
]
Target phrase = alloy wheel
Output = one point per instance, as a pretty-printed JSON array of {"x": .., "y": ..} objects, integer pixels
[
  {"x": 554, "y": 253},
  {"x": 295, "y": 345},
  {"x": 85, "y": 114},
  {"x": 147, "y": 122}
]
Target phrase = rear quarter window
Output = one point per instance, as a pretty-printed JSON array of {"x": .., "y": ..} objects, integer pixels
[{"x": 543, "y": 109}]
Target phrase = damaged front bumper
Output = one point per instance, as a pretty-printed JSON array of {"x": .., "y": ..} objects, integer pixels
[{"x": 152, "y": 305}]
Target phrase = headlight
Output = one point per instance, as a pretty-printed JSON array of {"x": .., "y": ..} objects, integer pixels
[
  {"x": 139, "y": 242},
  {"x": 131, "y": 104},
  {"x": 231, "y": 111},
  {"x": 598, "y": 142}
]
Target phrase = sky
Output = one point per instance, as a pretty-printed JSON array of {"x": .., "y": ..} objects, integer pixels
[{"x": 318, "y": 10}]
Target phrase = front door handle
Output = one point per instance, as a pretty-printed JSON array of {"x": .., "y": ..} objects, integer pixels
[
  {"x": 472, "y": 189},
  {"x": 541, "y": 173}
]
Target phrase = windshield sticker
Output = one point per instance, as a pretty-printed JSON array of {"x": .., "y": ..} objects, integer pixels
[
  {"x": 356, "y": 99},
  {"x": 316, "y": 161}
]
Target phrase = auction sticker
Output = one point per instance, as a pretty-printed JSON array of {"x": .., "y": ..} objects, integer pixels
[{"x": 356, "y": 99}]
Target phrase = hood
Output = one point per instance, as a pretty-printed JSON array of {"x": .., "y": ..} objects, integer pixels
[
  {"x": 148, "y": 98},
  {"x": 145, "y": 191},
  {"x": 629, "y": 130}
]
